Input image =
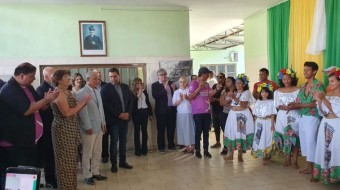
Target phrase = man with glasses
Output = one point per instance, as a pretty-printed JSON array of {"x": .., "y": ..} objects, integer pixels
[
  {"x": 162, "y": 92},
  {"x": 216, "y": 108}
]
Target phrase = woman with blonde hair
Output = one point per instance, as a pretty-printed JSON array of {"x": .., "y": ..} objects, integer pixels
[{"x": 142, "y": 111}]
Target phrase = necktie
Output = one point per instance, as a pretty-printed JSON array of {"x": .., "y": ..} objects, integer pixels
[{"x": 94, "y": 91}]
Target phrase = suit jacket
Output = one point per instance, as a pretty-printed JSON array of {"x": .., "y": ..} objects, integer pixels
[
  {"x": 47, "y": 114},
  {"x": 161, "y": 98},
  {"x": 147, "y": 101},
  {"x": 112, "y": 103},
  {"x": 92, "y": 115},
  {"x": 17, "y": 129}
]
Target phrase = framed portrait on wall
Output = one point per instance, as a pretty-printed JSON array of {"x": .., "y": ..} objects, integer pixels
[{"x": 92, "y": 37}]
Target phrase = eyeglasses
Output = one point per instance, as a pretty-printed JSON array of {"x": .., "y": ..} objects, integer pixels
[{"x": 219, "y": 76}]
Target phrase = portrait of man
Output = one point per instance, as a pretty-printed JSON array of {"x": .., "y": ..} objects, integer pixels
[
  {"x": 93, "y": 40},
  {"x": 92, "y": 36}
]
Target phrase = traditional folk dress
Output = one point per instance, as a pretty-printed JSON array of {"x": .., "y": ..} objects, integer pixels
[
  {"x": 327, "y": 154},
  {"x": 263, "y": 137},
  {"x": 239, "y": 128},
  {"x": 309, "y": 120},
  {"x": 286, "y": 127},
  {"x": 184, "y": 123}
]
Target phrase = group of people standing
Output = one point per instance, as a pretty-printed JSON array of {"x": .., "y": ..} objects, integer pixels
[
  {"x": 42, "y": 126},
  {"x": 285, "y": 119}
]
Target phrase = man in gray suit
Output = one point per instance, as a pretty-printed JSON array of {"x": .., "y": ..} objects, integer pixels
[{"x": 93, "y": 126}]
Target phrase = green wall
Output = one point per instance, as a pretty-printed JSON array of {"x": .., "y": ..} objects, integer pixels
[
  {"x": 218, "y": 57},
  {"x": 255, "y": 45},
  {"x": 52, "y": 31}
]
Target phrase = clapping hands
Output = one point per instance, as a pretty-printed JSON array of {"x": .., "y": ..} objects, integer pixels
[{"x": 51, "y": 95}]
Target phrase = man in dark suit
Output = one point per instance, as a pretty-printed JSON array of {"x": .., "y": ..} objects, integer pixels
[
  {"x": 1, "y": 83},
  {"x": 118, "y": 105},
  {"x": 45, "y": 145},
  {"x": 162, "y": 92}
]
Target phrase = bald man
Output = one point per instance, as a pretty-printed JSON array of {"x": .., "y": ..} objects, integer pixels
[{"x": 45, "y": 143}]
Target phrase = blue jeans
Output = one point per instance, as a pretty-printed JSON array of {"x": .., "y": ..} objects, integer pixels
[
  {"x": 118, "y": 133},
  {"x": 202, "y": 124}
]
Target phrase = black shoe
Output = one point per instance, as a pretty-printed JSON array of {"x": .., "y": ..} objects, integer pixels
[
  {"x": 99, "y": 177},
  {"x": 224, "y": 151},
  {"x": 114, "y": 169},
  {"x": 198, "y": 154},
  {"x": 217, "y": 145},
  {"x": 90, "y": 181},
  {"x": 51, "y": 185},
  {"x": 125, "y": 165},
  {"x": 138, "y": 154},
  {"x": 173, "y": 148},
  {"x": 207, "y": 154},
  {"x": 144, "y": 153},
  {"x": 105, "y": 159}
]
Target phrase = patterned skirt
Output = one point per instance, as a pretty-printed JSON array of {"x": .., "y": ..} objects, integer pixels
[
  {"x": 239, "y": 130},
  {"x": 66, "y": 138},
  {"x": 327, "y": 155}
]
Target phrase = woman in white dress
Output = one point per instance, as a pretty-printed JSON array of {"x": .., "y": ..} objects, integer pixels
[
  {"x": 225, "y": 102},
  {"x": 239, "y": 128},
  {"x": 327, "y": 155},
  {"x": 184, "y": 122},
  {"x": 286, "y": 126},
  {"x": 264, "y": 111}
]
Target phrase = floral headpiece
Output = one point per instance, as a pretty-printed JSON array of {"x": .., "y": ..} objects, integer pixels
[
  {"x": 288, "y": 71},
  {"x": 243, "y": 77},
  {"x": 262, "y": 85},
  {"x": 332, "y": 70}
]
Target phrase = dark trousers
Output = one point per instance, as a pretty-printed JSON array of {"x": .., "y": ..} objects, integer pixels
[
  {"x": 202, "y": 124},
  {"x": 118, "y": 133},
  {"x": 216, "y": 118},
  {"x": 140, "y": 122},
  {"x": 46, "y": 156},
  {"x": 14, "y": 157},
  {"x": 223, "y": 120},
  {"x": 167, "y": 121},
  {"x": 105, "y": 145}
]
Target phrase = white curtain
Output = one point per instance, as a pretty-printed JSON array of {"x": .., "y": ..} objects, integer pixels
[{"x": 317, "y": 42}]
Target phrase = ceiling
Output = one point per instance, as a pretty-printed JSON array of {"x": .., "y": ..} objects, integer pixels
[{"x": 207, "y": 17}]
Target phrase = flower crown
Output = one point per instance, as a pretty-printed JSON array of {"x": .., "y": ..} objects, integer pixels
[
  {"x": 243, "y": 77},
  {"x": 333, "y": 70},
  {"x": 288, "y": 71},
  {"x": 263, "y": 85}
]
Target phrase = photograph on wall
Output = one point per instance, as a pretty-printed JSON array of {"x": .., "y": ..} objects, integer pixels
[
  {"x": 175, "y": 69},
  {"x": 92, "y": 37}
]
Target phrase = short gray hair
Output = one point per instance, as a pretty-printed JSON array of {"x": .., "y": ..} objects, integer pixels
[
  {"x": 161, "y": 71},
  {"x": 90, "y": 74}
]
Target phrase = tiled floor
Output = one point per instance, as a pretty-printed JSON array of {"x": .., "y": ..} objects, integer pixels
[{"x": 178, "y": 171}]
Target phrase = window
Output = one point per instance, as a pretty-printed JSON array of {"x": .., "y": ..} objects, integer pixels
[
  {"x": 127, "y": 71},
  {"x": 228, "y": 69}
]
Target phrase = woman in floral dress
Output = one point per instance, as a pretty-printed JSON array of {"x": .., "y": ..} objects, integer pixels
[
  {"x": 327, "y": 154},
  {"x": 286, "y": 127},
  {"x": 239, "y": 128}
]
